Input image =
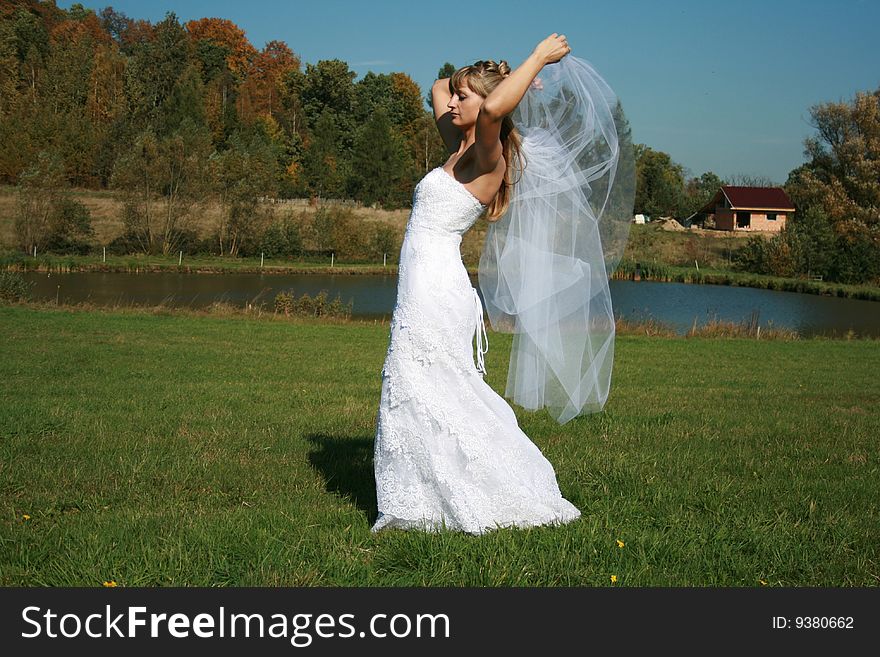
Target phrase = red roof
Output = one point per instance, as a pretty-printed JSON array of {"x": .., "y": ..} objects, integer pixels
[{"x": 771, "y": 198}]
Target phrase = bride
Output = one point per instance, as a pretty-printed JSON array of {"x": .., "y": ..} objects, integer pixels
[{"x": 448, "y": 449}]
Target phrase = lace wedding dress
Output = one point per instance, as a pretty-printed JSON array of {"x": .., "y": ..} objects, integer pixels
[{"x": 448, "y": 450}]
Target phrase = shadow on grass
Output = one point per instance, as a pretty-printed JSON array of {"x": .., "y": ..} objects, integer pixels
[{"x": 346, "y": 463}]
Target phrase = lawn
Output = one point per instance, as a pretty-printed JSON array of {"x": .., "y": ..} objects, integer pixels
[{"x": 175, "y": 449}]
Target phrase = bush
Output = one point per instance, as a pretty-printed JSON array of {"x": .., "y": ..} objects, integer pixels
[
  {"x": 188, "y": 242},
  {"x": 282, "y": 239},
  {"x": 383, "y": 240},
  {"x": 336, "y": 229},
  {"x": 124, "y": 244},
  {"x": 857, "y": 260},
  {"x": 317, "y": 306},
  {"x": 70, "y": 223},
  {"x": 752, "y": 256},
  {"x": 13, "y": 287},
  {"x": 808, "y": 247}
]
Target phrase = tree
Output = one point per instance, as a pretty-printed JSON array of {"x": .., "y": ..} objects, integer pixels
[
  {"x": 748, "y": 180},
  {"x": 699, "y": 191},
  {"x": 813, "y": 235},
  {"x": 842, "y": 179},
  {"x": 106, "y": 99},
  {"x": 370, "y": 93},
  {"x": 445, "y": 71},
  {"x": 70, "y": 225},
  {"x": 163, "y": 178},
  {"x": 220, "y": 89},
  {"x": 185, "y": 103},
  {"x": 154, "y": 68},
  {"x": 262, "y": 90},
  {"x": 115, "y": 23},
  {"x": 842, "y": 173},
  {"x": 323, "y": 167},
  {"x": 328, "y": 86},
  {"x": 659, "y": 183},
  {"x": 378, "y": 162},
  {"x": 292, "y": 116},
  {"x": 242, "y": 173},
  {"x": 8, "y": 69},
  {"x": 227, "y": 36},
  {"x": 39, "y": 189}
]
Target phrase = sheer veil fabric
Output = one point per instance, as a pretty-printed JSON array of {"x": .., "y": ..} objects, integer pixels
[{"x": 545, "y": 264}]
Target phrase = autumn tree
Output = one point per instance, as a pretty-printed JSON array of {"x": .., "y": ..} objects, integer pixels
[
  {"x": 153, "y": 71},
  {"x": 842, "y": 173},
  {"x": 842, "y": 179},
  {"x": 263, "y": 89},
  {"x": 8, "y": 69}
]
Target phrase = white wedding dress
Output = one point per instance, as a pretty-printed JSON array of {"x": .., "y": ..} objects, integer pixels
[{"x": 448, "y": 450}]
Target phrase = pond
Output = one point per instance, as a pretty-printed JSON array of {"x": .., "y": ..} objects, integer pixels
[{"x": 677, "y": 304}]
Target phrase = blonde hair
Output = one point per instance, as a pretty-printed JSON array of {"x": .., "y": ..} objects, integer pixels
[{"x": 482, "y": 77}]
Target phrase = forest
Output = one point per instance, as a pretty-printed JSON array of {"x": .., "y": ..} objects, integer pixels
[{"x": 167, "y": 115}]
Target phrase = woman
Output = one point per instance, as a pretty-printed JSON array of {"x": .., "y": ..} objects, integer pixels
[{"x": 449, "y": 452}]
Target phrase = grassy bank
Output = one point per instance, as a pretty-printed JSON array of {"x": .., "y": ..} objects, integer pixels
[
  {"x": 178, "y": 449},
  {"x": 629, "y": 270},
  {"x": 687, "y": 256},
  {"x": 202, "y": 264}
]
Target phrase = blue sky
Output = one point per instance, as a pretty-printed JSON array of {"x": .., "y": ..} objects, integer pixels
[{"x": 720, "y": 86}]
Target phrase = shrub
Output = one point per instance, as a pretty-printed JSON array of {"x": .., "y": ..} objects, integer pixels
[
  {"x": 287, "y": 303},
  {"x": 70, "y": 224},
  {"x": 13, "y": 287},
  {"x": 282, "y": 239}
]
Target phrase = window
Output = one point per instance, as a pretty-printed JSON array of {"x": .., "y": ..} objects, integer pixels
[{"x": 771, "y": 216}]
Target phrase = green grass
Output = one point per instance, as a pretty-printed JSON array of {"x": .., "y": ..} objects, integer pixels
[
  {"x": 176, "y": 449},
  {"x": 188, "y": 264},
  {"x": 669, "y": 273}
]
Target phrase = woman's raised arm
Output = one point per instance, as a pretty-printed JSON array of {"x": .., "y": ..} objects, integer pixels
[
  {"x": 504, "y": 98},
  {"x": 449, "y": 133}
]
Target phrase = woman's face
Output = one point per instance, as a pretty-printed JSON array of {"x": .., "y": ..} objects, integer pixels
[{"x": 465, "y": 106}]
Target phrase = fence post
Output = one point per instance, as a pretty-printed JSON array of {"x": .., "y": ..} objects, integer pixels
[
  {"x": 180, "y": 259},
  {"x": 332, "y": 258},
  {"x": 105, "y": 254},
  {"x": 384, "y": 258}
]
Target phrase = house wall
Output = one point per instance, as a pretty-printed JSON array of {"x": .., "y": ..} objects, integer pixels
[
  {"x": 760, "y": 222},
  {"x": 726, "y": 220},
  {"x": 723, "y": 219}
]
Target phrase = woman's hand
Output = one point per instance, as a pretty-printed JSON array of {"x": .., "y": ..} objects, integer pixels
[{"x": 552, "y": 49}]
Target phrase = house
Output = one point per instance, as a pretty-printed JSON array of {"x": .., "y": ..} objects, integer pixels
[{"x": 747, "y": 208}]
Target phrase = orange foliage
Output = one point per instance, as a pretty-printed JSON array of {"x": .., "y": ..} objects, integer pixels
[
  {"x": 225, "y": 33},
  {"x": 138, "y": 31},
  {"x": 106, "y": 97},
  {"x": 261, "y": 92},
  {"x": 75, "y": 31}
]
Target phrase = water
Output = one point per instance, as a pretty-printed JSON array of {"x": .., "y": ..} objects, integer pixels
[{"x": 677, "y": 304}]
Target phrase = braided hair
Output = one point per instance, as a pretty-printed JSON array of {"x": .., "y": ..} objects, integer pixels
[{"x": 482, "y": 77}]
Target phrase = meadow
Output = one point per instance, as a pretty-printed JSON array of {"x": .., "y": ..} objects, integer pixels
[{"x": 173, "y": 448}]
